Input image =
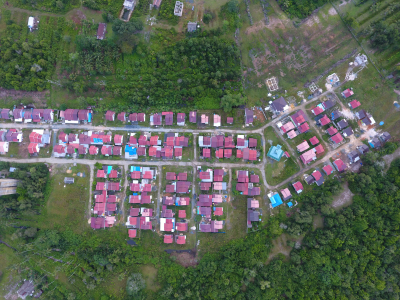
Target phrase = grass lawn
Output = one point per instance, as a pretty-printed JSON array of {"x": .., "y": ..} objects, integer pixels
[
  {"x": 276, "y": 172},
  {"x": 271, "y": 138}
]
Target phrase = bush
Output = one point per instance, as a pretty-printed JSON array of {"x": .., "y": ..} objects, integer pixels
[
  {"x": 135, "y": 284},
  {"x": 207, "y": 18}
]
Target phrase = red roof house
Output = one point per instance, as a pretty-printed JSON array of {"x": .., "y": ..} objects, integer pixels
[
  {"x": 168, "y": 239},
  {"x": 337, "y": 138},
  {"x": 331, "y": 130},
  {"x": 354, "y": 104},
  {"x": 319, "y": 149},
  {"x": 132, "y": 233},
  {"x": 121, "y": 117},
  {"x": 227, "y": 153},
  {"x": 340, "y": 165},
  {"x": 181, "y": 226},
  {"x": 249, "y": 154},
  {"x": 110, "y": 115},
  {"x": 219, "y": 153},
  {"x": 308, "y": 156},
  {"x": 317, "y": 110},
  {"x": 298, "y": 187},
  {"x": 180, "y": 239},
  {"x": 328, "y": 169},
  {"x": 324, "y": 120},
  {"x": 206, "y": 152},
  {"x": 33, "y": 148},
  {"x": 93, "y": 150},
  {"x": 133, "y": 117},
  {"x": 101, "y": 174},
  {"x": 304, "y": 127},
  {"x": 182, "y": 214},
  {"x": 314, "y": 140}
]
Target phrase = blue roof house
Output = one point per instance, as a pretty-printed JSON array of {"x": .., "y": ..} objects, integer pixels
[
  {"x": 275, "y": 152},
  {"x": 275, "y": 200}
]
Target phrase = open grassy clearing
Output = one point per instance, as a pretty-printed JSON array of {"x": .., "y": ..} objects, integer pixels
[
  {"x": 293, "y": 55},
  {"x": 66, "y": 205},
  {"x": 277, "y": 172}
]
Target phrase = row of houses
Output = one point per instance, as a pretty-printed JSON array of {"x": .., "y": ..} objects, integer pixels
[
  {"x": 294, "y": 125},
  {"x": 224, "y": 145},
  {"x": 84, "y": 116},
  {"x": 146, "y": 144},
  {"x": 27, "y": 115},
  {"x": 141, "y": 212},
  {"x": 175, "y": 200},
  {"x": 209, "y": 204},
  {"x": 311, "y": 154},
  {"x": 105, "y": 197},
  {"x": 92, "y": 142}
]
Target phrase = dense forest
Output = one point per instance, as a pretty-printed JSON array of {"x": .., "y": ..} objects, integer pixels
[
  {"x": 27, "y": 60},
  {"x": 30, "y": 192},
  {"x": 191, "y": 72}
]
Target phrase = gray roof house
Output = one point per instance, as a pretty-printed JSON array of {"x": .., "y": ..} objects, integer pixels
[
  {"x": 354, "y": 156},
  {"x": 342, "y": 124},
  {"x": 347, "y": 132},
  {"x": 385, "y": 136},
  {"x": 363, "y": 149},
  {"x": 192, "y": 26},
  {"x": 279, "y": 105},
  {"x": 248, "y": 113},
  {"x": 68, "y": 180}
]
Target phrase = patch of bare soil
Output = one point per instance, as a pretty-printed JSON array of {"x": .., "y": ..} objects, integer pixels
[
  {"x": 259, "y": 115},
  {"x": 390, "y": 157},
  {"x": 332, "y": 11},
  {"x": 38, "y": 98},
  {"x": 273, "y": 23},
  {"x": 344, "y": 199},
  {"x": 78, "y": 16},
  {"x": 186, "y": 259}
]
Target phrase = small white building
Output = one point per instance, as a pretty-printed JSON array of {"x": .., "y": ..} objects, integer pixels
[
  {"x": 33, "y": 23},
  {"x": 129, "y": 4},
  {"x": 178, "y": 8}
]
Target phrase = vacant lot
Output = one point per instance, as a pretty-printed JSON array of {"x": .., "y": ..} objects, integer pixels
[{"x": 67, "y": 204}]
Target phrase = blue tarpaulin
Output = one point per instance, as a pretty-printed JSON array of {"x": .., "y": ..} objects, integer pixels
[
  {"x": 135, "y": 168},
  {"x": 276, "y": 200},
  {"x": 130, "y": 150}
]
